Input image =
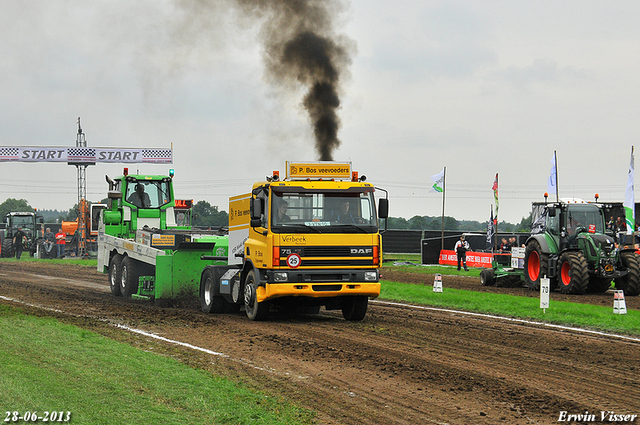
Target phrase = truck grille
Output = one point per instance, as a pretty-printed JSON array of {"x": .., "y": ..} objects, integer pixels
[{"x": 329, "y": 256}]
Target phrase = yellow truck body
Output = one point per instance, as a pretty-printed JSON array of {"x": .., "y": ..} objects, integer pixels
[{"x": 311, "y": 238}]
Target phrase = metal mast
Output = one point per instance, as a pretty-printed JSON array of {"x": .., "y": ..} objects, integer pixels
[{"x": 81, "y": 171}]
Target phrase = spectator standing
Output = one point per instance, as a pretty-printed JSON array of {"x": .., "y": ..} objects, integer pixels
[
  {"x": 61, "y": 241},
  {"x": 461, "y": 249},
  {"x": 621, "y": 230}
]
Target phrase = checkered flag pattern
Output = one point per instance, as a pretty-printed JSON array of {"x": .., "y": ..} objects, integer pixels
[
  {"x": 157, "y": 155},
  {"x": 9, "y": 153},
  {"x": 81, "y": 154}
]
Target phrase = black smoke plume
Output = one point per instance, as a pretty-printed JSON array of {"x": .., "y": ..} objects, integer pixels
[{"x": 301, "y": 47}]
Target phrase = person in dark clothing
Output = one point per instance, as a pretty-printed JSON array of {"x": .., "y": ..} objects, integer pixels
[
  {"x": 19, "y": 239},
  {"x": 461, "y": 249}
]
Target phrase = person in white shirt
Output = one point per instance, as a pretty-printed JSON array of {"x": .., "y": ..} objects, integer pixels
[{"x": 461, "y": 249}]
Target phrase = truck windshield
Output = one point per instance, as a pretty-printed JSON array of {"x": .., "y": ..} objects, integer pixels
[
  {"x": 584, "y": 218},
  {"x": 323, "y": 212},
  {"x": 148, "y": 194}
]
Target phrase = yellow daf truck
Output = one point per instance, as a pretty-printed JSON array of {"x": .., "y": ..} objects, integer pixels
[{"x": 308, "y": 240}]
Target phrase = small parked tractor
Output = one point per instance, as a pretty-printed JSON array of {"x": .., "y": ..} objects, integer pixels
[{"x": 31, "y": 225}]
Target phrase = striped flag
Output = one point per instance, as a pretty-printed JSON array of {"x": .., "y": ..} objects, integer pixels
[{"x": 495, "y": 196}]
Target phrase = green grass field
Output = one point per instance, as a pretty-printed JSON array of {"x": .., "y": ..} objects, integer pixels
[
  {"x": 559, "y": 312},
  {"x": 48, "y": 366}
]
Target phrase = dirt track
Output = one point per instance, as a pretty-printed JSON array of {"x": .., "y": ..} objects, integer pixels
[{"x": 400, "y": 365}]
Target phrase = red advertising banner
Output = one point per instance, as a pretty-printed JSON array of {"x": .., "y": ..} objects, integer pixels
[{"x": 474, "y": 259}]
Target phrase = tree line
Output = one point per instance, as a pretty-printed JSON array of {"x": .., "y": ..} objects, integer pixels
[{"x": 207, "y": 215}]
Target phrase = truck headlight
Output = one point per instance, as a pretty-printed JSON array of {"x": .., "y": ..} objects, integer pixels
[
  {"x": 371, "y": 276},
  {"x": 281, "y": 277}
]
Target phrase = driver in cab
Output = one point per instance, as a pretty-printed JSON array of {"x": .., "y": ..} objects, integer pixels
[{"x": 140, "y": 198}]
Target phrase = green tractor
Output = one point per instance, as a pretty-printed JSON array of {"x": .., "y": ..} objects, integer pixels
[
  {"x": 570, "y": 244},
  {"x": 31, "y": 225}
]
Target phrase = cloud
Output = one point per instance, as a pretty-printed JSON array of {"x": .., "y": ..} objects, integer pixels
[{"x": 543, "y": 71}]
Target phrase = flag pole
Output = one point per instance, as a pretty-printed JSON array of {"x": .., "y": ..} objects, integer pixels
[
  {"x": 555, "y": 160},
  {"x": 495, "y": 220},
  {"x": 444, "y": 179}
]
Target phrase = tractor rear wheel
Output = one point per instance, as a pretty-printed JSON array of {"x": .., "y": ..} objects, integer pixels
[
  {"x": 487, "y": 277},
  {"x": 630, "y": 283},
  {"x": 115, "y": 274},
  {"x": 7, "y": 248},
  {"x": 536, "y": 265},
  {"x": 573, "y": 277}
]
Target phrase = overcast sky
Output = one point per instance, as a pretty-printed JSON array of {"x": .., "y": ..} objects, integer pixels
[{"x": 478, "y": 87}]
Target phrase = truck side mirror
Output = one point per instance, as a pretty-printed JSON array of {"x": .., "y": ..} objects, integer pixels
[
  {"x": 383, "y": 208},
  {"x": 255, "y": 205},
  {"x": 552, "y": 212}
]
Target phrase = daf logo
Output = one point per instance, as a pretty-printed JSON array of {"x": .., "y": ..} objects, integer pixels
[{"x": 361, "y": 250}]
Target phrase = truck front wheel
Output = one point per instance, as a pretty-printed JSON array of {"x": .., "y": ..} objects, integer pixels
[
  {"x": 115, "y": 270},
  {"x": 254, "y": 309},
  {"x": 355, "y": 308},
  {"x": 573, "y": 277}
]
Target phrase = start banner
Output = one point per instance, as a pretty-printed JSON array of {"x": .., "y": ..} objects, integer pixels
[
  {"x": 474, "y": 259},
  {"x": 85, "y": 155}
]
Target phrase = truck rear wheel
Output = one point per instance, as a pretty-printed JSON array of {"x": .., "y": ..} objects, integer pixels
[
  {"x": 254, "y": 309},
  {"x": 115, "y": 270},
  {"x": 573, "y": 277},
  {"x": 630, "y": 283},
  {"x": 487, "y": 277},
  {"x": 536, "y": 265},
  {"x": 355, "y": 308},
  {"x": 129, "y": 277},
  {"x": 209, "y": 302}
]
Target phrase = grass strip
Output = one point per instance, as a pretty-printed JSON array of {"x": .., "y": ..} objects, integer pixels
[
  {"x": 559, "y": 312},
  {"x": 50, "y": 366}
]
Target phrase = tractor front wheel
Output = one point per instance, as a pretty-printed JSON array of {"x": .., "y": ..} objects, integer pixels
[
  {"x": 630, "y": 283},
  {"x": 573, "y": 276},
  {"x": 536, "y": 265}
]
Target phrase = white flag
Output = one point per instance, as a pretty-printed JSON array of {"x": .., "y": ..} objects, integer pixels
[
  {"x": 551, "y": 184},
  {"x": 438, "y": 182},
  {"x": 629, "y": 200}
]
